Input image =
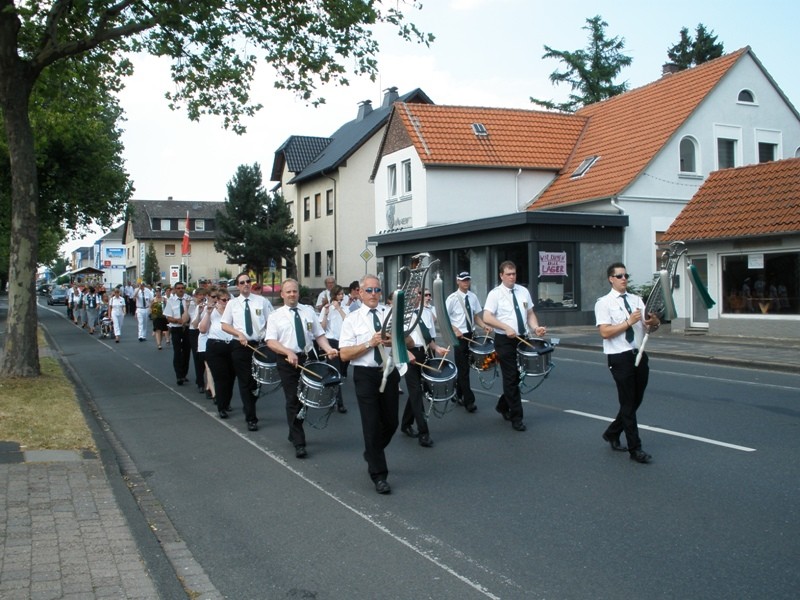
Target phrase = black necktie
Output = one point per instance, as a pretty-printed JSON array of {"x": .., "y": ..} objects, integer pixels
[
  {"x": 468, "y": 310},
  {"x": 180, "y": 304},
  {"x": 298, "y": 330},
  {"x": 248, "y": 319},
  {"x": 143, "y": 301},
  {"x": 426, "y": 333},
  {"x": 376, "y": 353},
  {"x": 629, "y": 330},
  {"x": 520, "y": 320}
]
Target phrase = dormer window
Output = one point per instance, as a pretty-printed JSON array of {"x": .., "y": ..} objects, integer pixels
[
  {"x": 584, "y": 166},
  {"x": 746, "y": 97}
]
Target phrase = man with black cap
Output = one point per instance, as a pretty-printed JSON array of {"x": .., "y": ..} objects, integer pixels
[{"x": 464, "y": 310}]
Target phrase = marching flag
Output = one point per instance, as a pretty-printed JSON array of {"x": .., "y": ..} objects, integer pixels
[{"x": 185, "y": 245}]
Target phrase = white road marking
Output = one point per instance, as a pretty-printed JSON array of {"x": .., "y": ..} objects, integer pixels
[{"x": 667, "y": 432}]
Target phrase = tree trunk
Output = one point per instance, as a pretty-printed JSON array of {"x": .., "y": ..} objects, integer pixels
[{"x": 21, "y": 349}]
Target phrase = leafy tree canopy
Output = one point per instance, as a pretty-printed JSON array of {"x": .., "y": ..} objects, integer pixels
[
  {"x": 590, "y": 72},
  {"x": 215, "y": 46},
  {"x": 690, "y": 52},
  {"x": 255, "y": 226}
]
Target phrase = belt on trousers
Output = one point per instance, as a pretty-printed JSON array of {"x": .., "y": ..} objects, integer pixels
[
  {"x": 365, "y": 367},
  {"x": 216, "y": 341},
  {"x": 635, "y": 351}
]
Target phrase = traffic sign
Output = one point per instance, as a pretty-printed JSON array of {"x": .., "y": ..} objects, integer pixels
[{"x": 366, "y": 254}]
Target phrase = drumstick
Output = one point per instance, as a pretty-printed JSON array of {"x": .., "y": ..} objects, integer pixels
[
  {"x": 309, "y": 371},
  {"x": 424, "y": 366},
  {"x": 471, "y": 341},
  {"x": 257, "y": 351},
  {"x": 526, "y": 342},
  {"x": 441, "y": 362}
]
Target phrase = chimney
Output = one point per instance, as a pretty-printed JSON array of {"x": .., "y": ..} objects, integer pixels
[
  {"x": 669, "y": 69},
  {"x": 364, "y": 108},
  {"x": 390, "y": 95}
]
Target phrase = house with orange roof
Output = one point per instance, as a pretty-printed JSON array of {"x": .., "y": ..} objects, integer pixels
[
  {"x": 476, "y": 186},
  {"x": 743, "y": 228}
]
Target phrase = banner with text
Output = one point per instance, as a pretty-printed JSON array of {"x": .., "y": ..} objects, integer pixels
[{"x": 552, "y": 263}]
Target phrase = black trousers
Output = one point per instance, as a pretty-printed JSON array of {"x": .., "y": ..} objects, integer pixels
[
  {"x": 511, "y": 400},
  {"x": 463, "y": 386},
  {"x": 242, "y": 358},
  {"x": 290, "y": 379},
  {"x": 378, "y": 415},
  {"x": 341, "y": 366},
  {"x": 181, "y": 351},
  {"x": 218, "y": 354},
  {"x": 415, "y": 410},
  {"x": 631, "y": 382}
]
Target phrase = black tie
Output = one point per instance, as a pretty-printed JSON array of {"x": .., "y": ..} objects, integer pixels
[
  {"x": 298, "y": 330},
  {"x": 143, "y": 301},
  {"x": 468, "y": 310},
  {"x": 376, "y": 353},
  {"x": 629, "y": 330},
  {"x": 248, "y": 319},
  {"x": 180, "y": 304},
  {"x": 520, "y": 321},
  {"x": 426, "y": 333}
]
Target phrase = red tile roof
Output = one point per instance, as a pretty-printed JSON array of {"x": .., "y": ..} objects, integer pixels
[
  {"x": 443, "y": 135},
  {"x": 756, "y": 200},
  {"x": 627, "y": 131}
]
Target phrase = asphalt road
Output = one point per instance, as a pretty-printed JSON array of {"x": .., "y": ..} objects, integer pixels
[{"x": 488, "y": 512}]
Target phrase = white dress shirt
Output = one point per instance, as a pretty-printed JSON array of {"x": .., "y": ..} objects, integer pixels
[
  {"x": 173, "y": 308},
  {"x": 281, "y": 327},
  {"x": 260, "y": 309},
  {"x": 358, "y": 329},
  {"x": 610, "y": 310},
  {"x": 456, "y": 306},
  {"x": 500, "y": 303}
]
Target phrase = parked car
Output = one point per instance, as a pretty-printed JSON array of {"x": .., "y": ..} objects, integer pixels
[
  {"x": 44, "y": 289},
  {"x": 57, "y": 295}
]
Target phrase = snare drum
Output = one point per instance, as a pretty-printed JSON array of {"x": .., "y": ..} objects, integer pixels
[
  {"x": 481, "y": 353},
  {"x": 534, "y": 361},
  {"x": 265, "y": 366},
  {"x": 439, "y": 384},
  {"x": 319, "y": 391}
]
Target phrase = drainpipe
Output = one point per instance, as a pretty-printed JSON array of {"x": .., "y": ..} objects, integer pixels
[
  {"x": 516, "y": 191},
  {"x": 624, "y": 234}
]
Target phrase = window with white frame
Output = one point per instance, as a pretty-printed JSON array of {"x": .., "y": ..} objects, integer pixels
[
  {"x": 391, "y": 180},
  {"x": 768, "y": 145},
  {"x": 729, "y": 146},
  {"x": 199, "y": 225},
  {"x": 169, "y": 249},
  {"x": 329, "y": 202},
  {"x": 405, "y": 167},
  {"x": 746, "y": 97},
  {"x": 688, "y": 155}
]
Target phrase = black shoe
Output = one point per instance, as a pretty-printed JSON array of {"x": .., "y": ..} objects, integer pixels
[
  {"x": 425, "y": 440},
  {"x": 382, "y": 487},
  {"x": 506, "y": 414},
  {"x": 223, "y": 414},
  {"x": 141, "y": 339},
  {"x": 409, "y": 431},
  {"x": 210, "y": 396},
  {"x": 180, "y": 381},
  {"x": 471, "y": 408},
  {"x": 300, "y": 452},
  {"x": 518, "y": 426},
  {"x": 252, "y": 426},
  {"x": 614, "y": 442},
  {"x": 641, "y": 456},
  {"x": 341, "y": 408}
]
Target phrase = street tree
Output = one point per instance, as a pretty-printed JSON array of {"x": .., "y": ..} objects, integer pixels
[
  {"x": 590, "y": 72},
  {"x": 255, "y": 227},
  {"x": 152, "y": 272},
  {"x": 215, "y": 46},
  {"x": 690, "y": 52}
]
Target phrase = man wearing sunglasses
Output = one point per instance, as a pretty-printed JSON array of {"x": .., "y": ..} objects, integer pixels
[
  {"x": 619, "y": 316},
  {"x": 245, "y": 318},
  {"x": 361, "y": 343}
]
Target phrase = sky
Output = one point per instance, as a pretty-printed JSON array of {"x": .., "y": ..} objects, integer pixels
[{"x": 486, "y": 53}]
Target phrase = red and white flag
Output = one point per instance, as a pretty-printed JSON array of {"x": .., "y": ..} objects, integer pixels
[{"x": 185, "y": 245}]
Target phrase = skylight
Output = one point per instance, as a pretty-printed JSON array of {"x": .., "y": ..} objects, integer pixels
[
  {"x": 479, "y": 129},
  {"x": 584, "y": 166}
]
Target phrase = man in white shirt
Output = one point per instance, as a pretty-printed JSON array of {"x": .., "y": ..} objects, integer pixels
[
  {"x": 291, "y": 333},
  {"x": 177, "y": 312},
  {"x": 245, "y": 318},
  {"x": 464, "y": 310},
  {"x": 620, "y": 321},
  {"x": 361, "y": 343},
  {"x": 142, "y": 298},
  {"x": 509, "y": 310},
  {"x": 324, "y": 297}
]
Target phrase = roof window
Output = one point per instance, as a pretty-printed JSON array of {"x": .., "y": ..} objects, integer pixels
[
  {"x": 584, "y": 166},
  {"x": 479, "y": 129},
  {"x": 747, "y": 97}
]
